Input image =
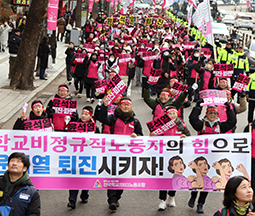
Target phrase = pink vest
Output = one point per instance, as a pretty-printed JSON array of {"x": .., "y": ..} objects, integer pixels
[
  {"x": 58, "y": 122},
  {"x": 159, "y": 111},
  {"x": 173, "y": 73},
  {"x": 93, "y": 67},
  {"x": 207, "y": 76},
  {"x": 124, "y": 129},
  {"x": 223, "y": 115},
  {"x": 173, "y": 132},
  {"x": 123, "y": 69},
  {"x": 209, "y": 130},
  {"x": 193, "y": 72},
  {"x": 147, "y": 67}
]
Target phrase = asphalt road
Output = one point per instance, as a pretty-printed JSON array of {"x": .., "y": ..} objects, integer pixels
[{"x": 135, "y": 203}]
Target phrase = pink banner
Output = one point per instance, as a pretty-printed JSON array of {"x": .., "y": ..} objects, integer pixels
[
  {"x": 154, "y": 76},
  {"x": 223, "y": 70},
  {"x": 38, "y": 125},
  {"x": 178, "y": 88},
  {"x": 89, "y": 47},
  {"x": 52, "y": 15},
  {"x": 189, "y": 44},
  {"x": 101, "y": 86},
  {"x": 111, "y": 109},
  {"x": 64, "y": 107},
  {"x": 91, "y": 3},
  {"x": 88, "y": 127},
  {"x": 160, "y": 125},
  {"x": 115, "y": 88},
  {"x": 241, "y": 83},
  {"x": 112, "y": 3},
  {"x": 116, "y": 3},
  {"x": 79, "y": 57},
  {"x": 213, "y": 97}
]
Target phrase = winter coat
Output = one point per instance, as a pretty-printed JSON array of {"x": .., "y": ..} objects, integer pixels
[
  {"x": 22, "y": 196},
  {"x": 224, "y": 126},
  {"x": 19, "y": 124},
  {"x": 4, "y": 33},
  {"x": 232, "y": 212},
  {"x": 108, "y": 69},
  {"x": 80, "y": 69},
  {"x": 43, "y": 54},
  {"x": 61, "y": 25},
  {"x": 69, "y": 55},
  {"x": 14, "y": 44},
  {"x": 53, "y": 40},
  {"x": 112, "y": 119}
]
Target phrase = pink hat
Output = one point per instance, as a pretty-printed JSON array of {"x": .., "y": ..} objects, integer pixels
[
  {"x": 186, "y": 37},
  {"x": 164, "y": 49}
]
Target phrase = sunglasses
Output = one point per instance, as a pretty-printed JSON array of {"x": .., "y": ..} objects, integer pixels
[{"x": 211, "y": 112}]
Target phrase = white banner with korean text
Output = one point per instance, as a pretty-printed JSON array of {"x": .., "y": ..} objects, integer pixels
[{"x": 61, "y": 160}]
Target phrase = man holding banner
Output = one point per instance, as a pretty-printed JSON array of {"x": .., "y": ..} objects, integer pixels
[
  {"x": 210, "y": 124},
  {"x": 122, "y": 122}
]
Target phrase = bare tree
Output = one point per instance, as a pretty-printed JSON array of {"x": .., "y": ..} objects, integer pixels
[
  {"x": 78, "y": 14},
  {"x": 24, "y": 66}
]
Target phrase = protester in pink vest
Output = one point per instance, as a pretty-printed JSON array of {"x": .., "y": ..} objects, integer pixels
[
  {"x": 182, "y": 131},
  {"x": 122, "y": 122},
  {"x": 91, "y": 76},
  {"x": 36, "y": 113},
  {"x": 85, "y": 117},
  {"x": 210, "y": 124},
  {"x": 58, "y": 121}
]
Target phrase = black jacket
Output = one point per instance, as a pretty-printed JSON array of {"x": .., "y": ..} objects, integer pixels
[
  {"x": 26, "y": 205},
  {"x": 19, "y": 124},
  {"x": 14, "y": 43},
  {"x": 232, "y": 211},
  {"x": 111, "y": 120},
  {"x": 43, "y": 54},
  {"x": 198, "y": 124},
  {"x": 69, "y": 55}
]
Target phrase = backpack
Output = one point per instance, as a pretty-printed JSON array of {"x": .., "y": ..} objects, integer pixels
[{"x": 224, "y": 212}]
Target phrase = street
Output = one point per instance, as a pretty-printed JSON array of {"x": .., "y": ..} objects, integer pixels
[{"x": 135, "y": 203}]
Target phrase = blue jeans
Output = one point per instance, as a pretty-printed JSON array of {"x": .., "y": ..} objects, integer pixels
[
  {"x": 74, "y": 193},
  {"x": 42, "y": 72}
]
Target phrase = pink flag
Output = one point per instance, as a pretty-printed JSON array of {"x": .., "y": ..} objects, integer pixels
[
  {"x": 133, "y": 1},
  {"x": 116, "y": 3},
  {"x": 112, "y": 3},
  {"x": 52, "y": 15},
  {"x": 91, "y": 2},
  {"x": 155, "y": 3},
  {"x": 193, "y": 3}
]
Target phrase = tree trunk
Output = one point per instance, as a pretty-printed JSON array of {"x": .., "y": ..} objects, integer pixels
[
  {"x": 94, "y": 10},
  {"x": 24, "y": 66},
  {"x": 78, "y": 14}
]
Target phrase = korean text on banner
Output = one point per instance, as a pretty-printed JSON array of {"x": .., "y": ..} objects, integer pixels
[
  {"x": 223, "y": 70},
  {"x": 154, "y": 76},
  {"x": 213, "y": 97},
  {"x": 52, "y": 15},
  {"x": 102, "y": 161},
  {"x": 241, "y": 83}
]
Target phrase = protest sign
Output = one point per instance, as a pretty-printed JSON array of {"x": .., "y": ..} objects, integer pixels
[
  {"x": 148, "y": 21},
  {"x": 122, "y": 19},
  {"x": 88, "y": 127},
  {"x": 160, "y": 22},
  {"x": 115, "y": 88},
  {"x": 241, "y": 83},
  {"x": 223, "y": 70},
  {"x": 101, "y": 85},
  {"x": 79, "y": 57},
  {"x": 213, "y": 97},
  {"x": 38, "y": 124},
  {"x": 109, "y": 21},
  {"x": 154, "y": 76},
  {"x": 178, "y": 88},
  {"x": 102, "y": 161}
]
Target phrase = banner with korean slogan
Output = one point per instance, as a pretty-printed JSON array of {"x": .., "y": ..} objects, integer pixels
[
  {"x": 203, "y": 20},
  {"x": 122, "y": 19},
  {"x": 241, "y": 83},
  {"x": 160, "y": 22},
  {"x": 213, "y": 97},
  {"x": 223, "y": 70},
  {"x": 100, "y": 161}
]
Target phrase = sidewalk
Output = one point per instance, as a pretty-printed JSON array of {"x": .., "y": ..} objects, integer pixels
[{"x": 13, "y": 100}]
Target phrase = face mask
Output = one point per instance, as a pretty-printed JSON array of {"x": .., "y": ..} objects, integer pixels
[
  {"x": 196, "y": 55},
  {"x": 116, "y": 48},
  {"x": 209, "y": 66},
  {"x": 93, "y": 59},
  {"x": 166, "y": 53},
  {"x": 122, "y": 41},
  {"x": 111, "y": 59},
  {"x": 71, "y": 46},
  {"x": 97, "y": 48}
]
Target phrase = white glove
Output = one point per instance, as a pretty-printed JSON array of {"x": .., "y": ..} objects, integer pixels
[{"x": 195, "y": 86}]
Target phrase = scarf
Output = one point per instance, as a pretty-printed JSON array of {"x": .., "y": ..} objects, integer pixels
[
  {"x": 127, "y": 115},
  {"x": 241, "y": 209}
]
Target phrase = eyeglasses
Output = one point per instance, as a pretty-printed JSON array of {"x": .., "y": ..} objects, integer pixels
[{"x": 211, "y": 112}]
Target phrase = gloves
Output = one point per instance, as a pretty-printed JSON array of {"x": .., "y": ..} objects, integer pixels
[
  {"x": 194, "y": 86},
  {"x": 200, "y": 100},
  {"x": 189, "y": 90},
  {"x": 147, "y": 85},
  {"x": 243, "y": 94},
  {"x": 227, "y": 104},
  {"x": 75, "y": 116},
  {"x": 50, "y": 112}
]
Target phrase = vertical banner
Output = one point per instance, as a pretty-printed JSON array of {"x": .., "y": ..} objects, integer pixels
[
  {"x": 52, "y": 15},
  {"x": 91, "y": 2}
]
